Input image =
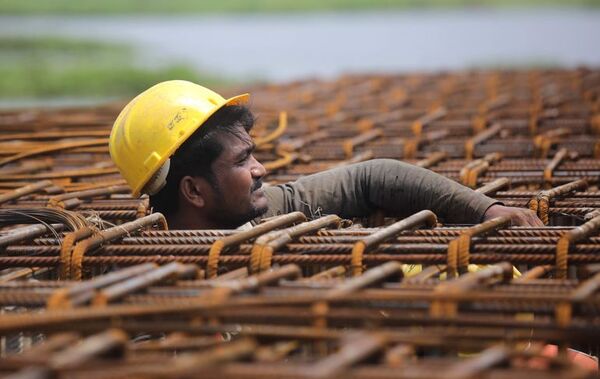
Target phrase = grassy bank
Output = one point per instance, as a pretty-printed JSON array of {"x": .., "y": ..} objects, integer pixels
[
  {"x": 224, "y": 6},
  {"x": 49, "y": 67}
]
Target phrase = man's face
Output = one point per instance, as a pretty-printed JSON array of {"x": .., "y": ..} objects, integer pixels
[{"x": 237, "y": 196}]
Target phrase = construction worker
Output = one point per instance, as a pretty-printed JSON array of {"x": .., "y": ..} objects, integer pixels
[{"x": 189, "y": 149}]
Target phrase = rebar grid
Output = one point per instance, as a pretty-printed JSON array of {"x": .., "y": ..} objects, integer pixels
[{"x": 392, "y": 295}]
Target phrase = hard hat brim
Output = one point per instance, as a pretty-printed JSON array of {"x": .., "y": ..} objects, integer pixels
[{"x": 237, "y": 100}]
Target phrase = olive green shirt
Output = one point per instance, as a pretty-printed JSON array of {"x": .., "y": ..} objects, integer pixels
[{"x": 398, "y": 188}]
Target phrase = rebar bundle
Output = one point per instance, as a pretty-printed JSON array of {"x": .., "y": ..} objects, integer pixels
[{"x": 93, "y": 284}]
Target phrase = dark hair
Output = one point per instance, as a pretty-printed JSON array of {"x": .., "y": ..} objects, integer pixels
[{"x": 197, "y": 154}]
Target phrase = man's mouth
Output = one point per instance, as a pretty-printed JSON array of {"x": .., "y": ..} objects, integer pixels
[{"x": 256, "y": 186}]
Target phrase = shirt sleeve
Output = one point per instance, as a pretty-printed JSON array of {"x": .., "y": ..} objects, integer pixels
[{"x": 398, "y": 188}]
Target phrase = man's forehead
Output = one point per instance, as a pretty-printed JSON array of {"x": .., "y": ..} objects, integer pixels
[{"x": 236, "y": 142}]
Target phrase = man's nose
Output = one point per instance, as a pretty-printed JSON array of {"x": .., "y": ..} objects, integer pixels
[{"x": 257, "y": 170}]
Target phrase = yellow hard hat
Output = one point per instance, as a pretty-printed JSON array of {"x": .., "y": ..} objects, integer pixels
[{"x": 153, "y": 126}]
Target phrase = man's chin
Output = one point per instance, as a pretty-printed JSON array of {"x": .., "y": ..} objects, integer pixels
[
  {"x": 259, "y": 199},
  {"x": 260, "y": 209}
]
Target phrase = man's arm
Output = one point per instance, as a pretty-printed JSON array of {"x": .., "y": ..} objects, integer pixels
[{"x": 398, "y": 188}]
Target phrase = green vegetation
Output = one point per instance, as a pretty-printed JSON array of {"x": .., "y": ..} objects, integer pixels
[
  {"x": 49, "y": 67},
  {"x": 223, "y": 6}
]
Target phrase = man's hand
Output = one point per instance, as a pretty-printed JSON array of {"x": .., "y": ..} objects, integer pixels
[{"x": 518, "y": 216}]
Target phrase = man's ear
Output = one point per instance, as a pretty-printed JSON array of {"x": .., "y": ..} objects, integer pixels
[{"x": 193, "y": 190}]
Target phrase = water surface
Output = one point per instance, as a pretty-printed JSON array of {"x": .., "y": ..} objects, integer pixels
[{"x": 287, "y": 47}]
